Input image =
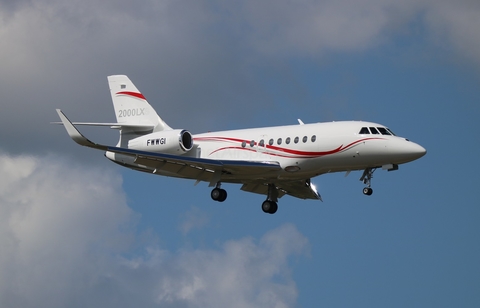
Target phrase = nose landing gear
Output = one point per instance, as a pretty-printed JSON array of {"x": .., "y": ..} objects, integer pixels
[
  {"x": 367, "y": 191},
  {"x": 367, "y": 180}
]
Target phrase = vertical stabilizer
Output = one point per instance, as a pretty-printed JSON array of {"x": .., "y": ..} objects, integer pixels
[{"x": 131, "y": 107}]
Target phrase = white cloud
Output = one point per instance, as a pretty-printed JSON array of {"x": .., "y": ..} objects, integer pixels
[
  {"x": 242, "y": 274},
  {"x": 79, "y": 33},
  {"x": 65, "y": 231},
  {"x": 194, "y": 218},
  {"x": 455, "y": 25},
  {"x": 185, "y": 54},
  {"x": 54, "y": 220},
  {"x": 310, "y": 27}
]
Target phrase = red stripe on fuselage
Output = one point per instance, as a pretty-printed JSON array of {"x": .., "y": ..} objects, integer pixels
[{"x": 296, "y": 153}]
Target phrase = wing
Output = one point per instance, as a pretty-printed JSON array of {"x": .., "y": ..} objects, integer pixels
[
  {"x": 300, "y": 189},
  {"x": 201, "y": 169}
]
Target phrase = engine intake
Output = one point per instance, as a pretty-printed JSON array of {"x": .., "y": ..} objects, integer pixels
[{"x": 169, "y": 142}]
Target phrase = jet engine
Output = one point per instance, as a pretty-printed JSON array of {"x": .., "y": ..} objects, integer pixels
[{"x": 168, "y": 141}]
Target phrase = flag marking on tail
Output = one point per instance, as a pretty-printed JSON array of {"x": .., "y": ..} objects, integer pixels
[{"x": 134, "y": 94}]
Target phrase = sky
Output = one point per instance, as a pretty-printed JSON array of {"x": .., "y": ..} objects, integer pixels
[{"x": 79, "y": 231}]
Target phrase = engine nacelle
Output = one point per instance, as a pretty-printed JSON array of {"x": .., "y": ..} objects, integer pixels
[{"x": 169, "y": 142}]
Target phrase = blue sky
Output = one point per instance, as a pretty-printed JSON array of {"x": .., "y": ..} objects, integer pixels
[{"x": 77, "y": 230}]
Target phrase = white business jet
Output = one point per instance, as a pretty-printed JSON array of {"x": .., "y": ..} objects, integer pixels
[{"x": 273, "y": 161}]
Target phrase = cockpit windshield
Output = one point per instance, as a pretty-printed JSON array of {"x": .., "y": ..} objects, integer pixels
[{"x": 376, "y": 130}]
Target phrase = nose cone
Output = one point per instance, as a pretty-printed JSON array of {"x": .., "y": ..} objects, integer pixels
[
  {"x": 420, "y": 150},
  {"x": 405, "y": 151},
  {"x": 415, "y": 150}
]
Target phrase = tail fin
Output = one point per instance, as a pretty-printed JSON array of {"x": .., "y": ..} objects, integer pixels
[{"x": 131, "y": 107}]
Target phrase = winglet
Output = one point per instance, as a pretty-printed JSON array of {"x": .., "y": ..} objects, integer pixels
[{"x": 76, "y": 135}]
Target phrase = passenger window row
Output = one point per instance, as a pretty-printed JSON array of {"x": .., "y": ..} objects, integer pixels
[
  {"x": 261, "y": 143},
  {"x": 376, "y": 131}
]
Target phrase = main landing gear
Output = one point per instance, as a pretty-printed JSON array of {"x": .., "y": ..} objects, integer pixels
[
  {"x": 367, "y": 180},
  {"x": 269, "y": 206},
  {"x": 219, "y": 194}
]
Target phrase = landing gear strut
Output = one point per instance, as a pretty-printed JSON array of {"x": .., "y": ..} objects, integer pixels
[
  {"x": 367, "y": 180},
  {"x": 219, "y": 194},
  {"x": 270, "y": 205}
]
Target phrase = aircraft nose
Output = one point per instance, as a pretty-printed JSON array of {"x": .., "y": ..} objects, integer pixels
[
  {"x": 406, "y": 151},
  {"x": 417, "y": 150}
]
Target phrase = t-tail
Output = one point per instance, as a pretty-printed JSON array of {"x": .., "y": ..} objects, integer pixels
[
  {"x": 135, "y": 116},
  {"x": 139, "y": 125}
]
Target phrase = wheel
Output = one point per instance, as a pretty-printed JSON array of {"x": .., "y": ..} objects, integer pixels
[
  {"x": 266, "y": 205},
  {"x": 274, "y": 208},
  {"x": 223, "y": 195},
  {"x": 367, "y": 191},
  {"x": 215, "y": 194},
  {"x": 219, "y": 194},
  {"x": 269, "y": 207}
]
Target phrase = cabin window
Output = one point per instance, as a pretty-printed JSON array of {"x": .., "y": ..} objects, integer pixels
[
  {"x": 383, "y": 131},
  {"x": 287, "y": 141},
  {"x": 252, "y": 143},
  {"x": 314, "y": 138},
  {"x": 364, "y": 131},
  {"x": 305, "y": 138},
  {"x": 270, "y": 142},
  {"x": 296, "y": 139},
  {"x": 279, "y": 141},
  {"x": 261, "y": 143},
  {"x": 374, "y": 130},
  {"x": 123, "y": 86},
  {"x": 244, "y": 144}
]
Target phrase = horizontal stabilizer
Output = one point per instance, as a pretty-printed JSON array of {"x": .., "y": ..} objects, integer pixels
[
  {"x": 76, "y": 135},
  {"x": 114, "y": 125}
]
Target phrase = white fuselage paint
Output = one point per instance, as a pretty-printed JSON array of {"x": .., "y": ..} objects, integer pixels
[{"x": 337, "y": 146}]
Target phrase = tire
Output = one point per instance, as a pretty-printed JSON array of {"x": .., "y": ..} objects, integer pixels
[
  {"x": 274, "y": 208},
  {"x": 223, "y": 195},
  {"x": 216, "y": 194},
  {"x": 266, "y": 206},
  {"x": 269, "y": 207},
  {"x": 367, "y": 191}
]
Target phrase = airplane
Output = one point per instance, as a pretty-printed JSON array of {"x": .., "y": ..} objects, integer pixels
[{"x": 273, "y": 161}]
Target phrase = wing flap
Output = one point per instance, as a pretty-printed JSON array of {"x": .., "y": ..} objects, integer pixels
[
  {"x": 201, "y": 168},
  {"x": 299, "y": 189},
  {"x": 260, "y": 188}
]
